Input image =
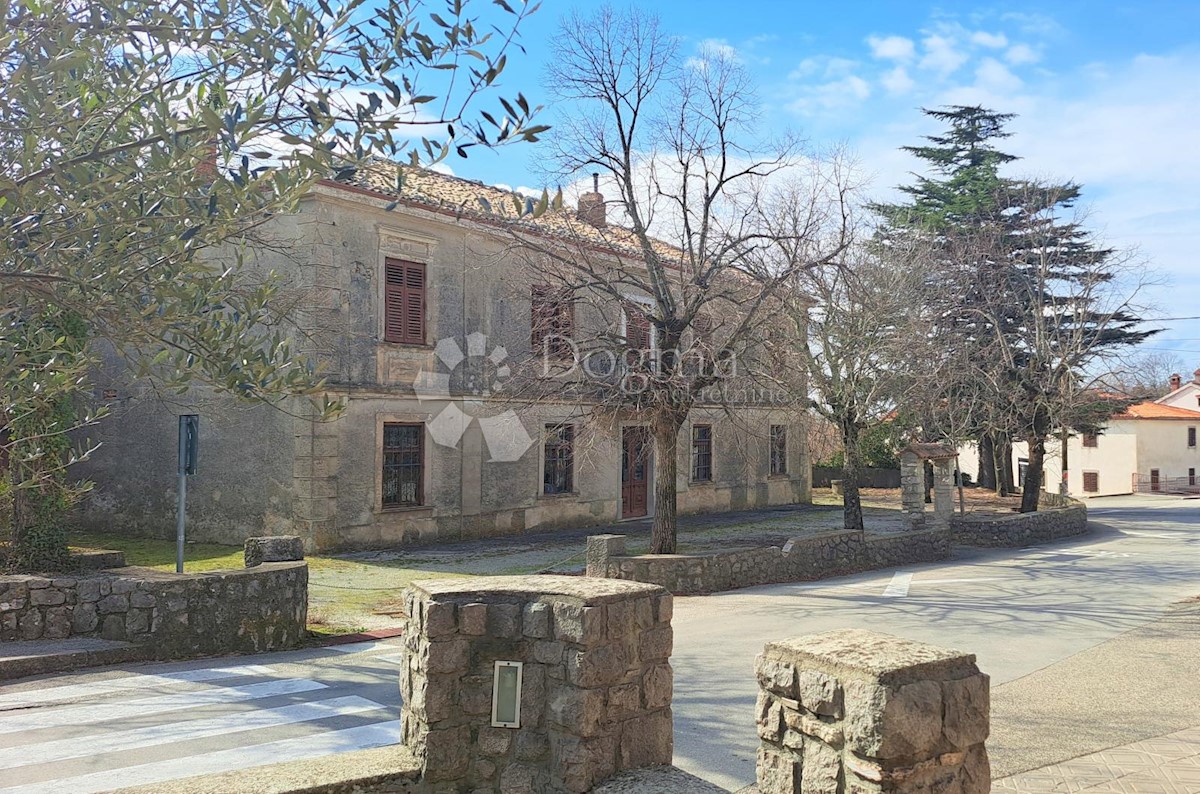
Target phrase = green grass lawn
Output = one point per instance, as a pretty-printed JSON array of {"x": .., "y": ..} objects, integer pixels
[{"x": 160, "y": 554}]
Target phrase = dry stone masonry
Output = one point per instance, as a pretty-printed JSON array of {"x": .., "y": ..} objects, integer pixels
[
  {"x": 800, "y": 559},
  {"x": 861, "y": 712},
  {"x": 596, "y": 690},
  {"x": 178, "y": 615}
]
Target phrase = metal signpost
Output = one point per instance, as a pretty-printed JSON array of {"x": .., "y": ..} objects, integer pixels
[{"x": 189, "y": 442}]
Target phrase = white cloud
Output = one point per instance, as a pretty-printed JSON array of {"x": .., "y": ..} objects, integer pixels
[
  {"x": 719, "y": 47},
  {"x": 892, "y": 48},
  {"x": 994, "y": 76},
  {"x": 834, "y": 95},
  {"x": 942, "y": 54},
  {"x": 896, "y": 81},
  {"x": 992, "y": 41},
  {"x": 1019, "y": 54}
]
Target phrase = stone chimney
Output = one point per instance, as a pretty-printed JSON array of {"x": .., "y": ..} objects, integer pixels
[
  {"x": 591, "y": 206},
  {"x": 1196, "y": 377},
  {"x": 1176, "y": 381}
]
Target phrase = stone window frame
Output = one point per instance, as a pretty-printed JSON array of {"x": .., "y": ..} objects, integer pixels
[{"x": 403, "y": 418}]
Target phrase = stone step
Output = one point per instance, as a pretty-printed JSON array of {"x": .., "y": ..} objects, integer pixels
[{"x": 36, "y": 657}]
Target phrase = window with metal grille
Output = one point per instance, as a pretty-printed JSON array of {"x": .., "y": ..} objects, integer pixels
[
  {"x": 1091, "y": 482},
  {"x": 559, "y": 472},
  {"x": 778, "y": 449},
  {"x": 552, "y": 320},
  {"x": 702, "y": 453},
  {"x": 404, "y": 302},
  {"x": 1191, "y": 436},
  {"x": 1191, "y": 476},
  {"x": 1090, "y": 440},
  {"x": 403, "y": 465}
]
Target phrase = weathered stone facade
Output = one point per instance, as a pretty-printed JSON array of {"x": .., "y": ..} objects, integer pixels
[
  {"x": 800, "y": 559},
  {"x": 596, "y": 692},
  {"x": 178, "y": 615},
  {"x": 856, "y": 711},
  {"x": 269, "y": 472}
]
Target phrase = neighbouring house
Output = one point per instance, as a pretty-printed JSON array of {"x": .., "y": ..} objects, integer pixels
[
  {"x": 1150, "y": 447},
  {"x": 410, "y": 299}
]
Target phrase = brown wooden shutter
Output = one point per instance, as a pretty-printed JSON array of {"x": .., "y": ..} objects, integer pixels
[
  {"x": 637, "y": 329},
  {"x": 404, "y": 302},
  {"x": 1091, "y": 482}
]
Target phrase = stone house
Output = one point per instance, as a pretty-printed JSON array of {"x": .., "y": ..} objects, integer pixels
[{"x": 409, "y": 297}]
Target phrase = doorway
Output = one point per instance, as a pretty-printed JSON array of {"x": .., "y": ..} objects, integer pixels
[{"x": 635, "y": 472}]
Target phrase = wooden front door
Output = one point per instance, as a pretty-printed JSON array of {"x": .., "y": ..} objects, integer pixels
[
  {"x": 1154, "y": 481},
  {"x": 635, "y": 471}
]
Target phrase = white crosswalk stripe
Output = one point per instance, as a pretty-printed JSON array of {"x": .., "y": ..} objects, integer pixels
[
  {"x": 145, "y": 730},
  {"x": 294, "y": 749},
  {"x": 128, "y": 683},
  {"x": 102, "y": 712},
  {"x": 63, "y": 749}
]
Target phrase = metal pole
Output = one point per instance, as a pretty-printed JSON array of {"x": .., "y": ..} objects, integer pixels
[{"x": 181, "y": 506}]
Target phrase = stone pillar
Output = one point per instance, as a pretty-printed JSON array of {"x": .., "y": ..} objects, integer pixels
[
  {"x": 596, "y": 691},
  {"x": 912, "y": 489},
  {"x": 862, "y": 712},
  {"x": 600, "y": 549},
  {"x": 943, "y": 493}
]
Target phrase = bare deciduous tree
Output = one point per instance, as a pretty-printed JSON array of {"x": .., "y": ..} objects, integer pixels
[{"x": 689, "y": 272}]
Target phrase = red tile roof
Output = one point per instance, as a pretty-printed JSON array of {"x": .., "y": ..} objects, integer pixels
[{"x": 1153, "y": 410}]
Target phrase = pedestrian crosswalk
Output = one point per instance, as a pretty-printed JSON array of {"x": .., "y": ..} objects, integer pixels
[{"x": 133, "y": 729}]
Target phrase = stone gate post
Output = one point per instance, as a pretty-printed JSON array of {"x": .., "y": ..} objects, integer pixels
[
  {"x": 595, "y": 696},
  {"x": 859, "y": 712}
]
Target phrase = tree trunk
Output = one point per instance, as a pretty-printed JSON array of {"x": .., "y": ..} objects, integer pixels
[
  {"x": 1002, "y": 465},
  {"x": 1032, "y": 487},
  {"x": 987, "y": 462},
  {"x": 666, "y": 507},
  {"x": 852, "y": 514}
]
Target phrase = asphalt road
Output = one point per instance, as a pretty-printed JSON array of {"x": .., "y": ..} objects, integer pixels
[
  {"x": 1019, "y": 611},
  {"x": 1022, "y": 612}
]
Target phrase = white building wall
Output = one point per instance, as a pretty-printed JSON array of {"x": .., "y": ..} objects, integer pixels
[
  {"x": 1188, "y": 396},
  {"x": 1163, "y": 445}
]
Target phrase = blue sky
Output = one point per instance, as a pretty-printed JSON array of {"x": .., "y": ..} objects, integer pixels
[{"x": 1108, "y": 94}]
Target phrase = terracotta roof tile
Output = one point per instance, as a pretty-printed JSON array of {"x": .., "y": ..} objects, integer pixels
[
  {"x": 468, "y": 198},
  {"x": 1153, "y": 410}
]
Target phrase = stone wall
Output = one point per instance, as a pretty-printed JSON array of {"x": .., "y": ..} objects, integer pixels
[
  {"x": 1066, "y": 517},
  {"x": 178, "y": 615},
  {"x": 596, "y": 693},
  {"x": 856, "y": 711},
  {"x": 800, "y": 559}
]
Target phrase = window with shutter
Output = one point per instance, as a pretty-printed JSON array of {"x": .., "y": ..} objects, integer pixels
[
  {"x": 404, "y": 302},
  {"x": 637, "y": 329},
  {"x": 403, "y": 464},
  {"x": 1191, "y": 436},
  {"x": 552, "y": 320},
  {"x": 1091, "y": 482},
  {"x": 1090, "y": 440}
]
